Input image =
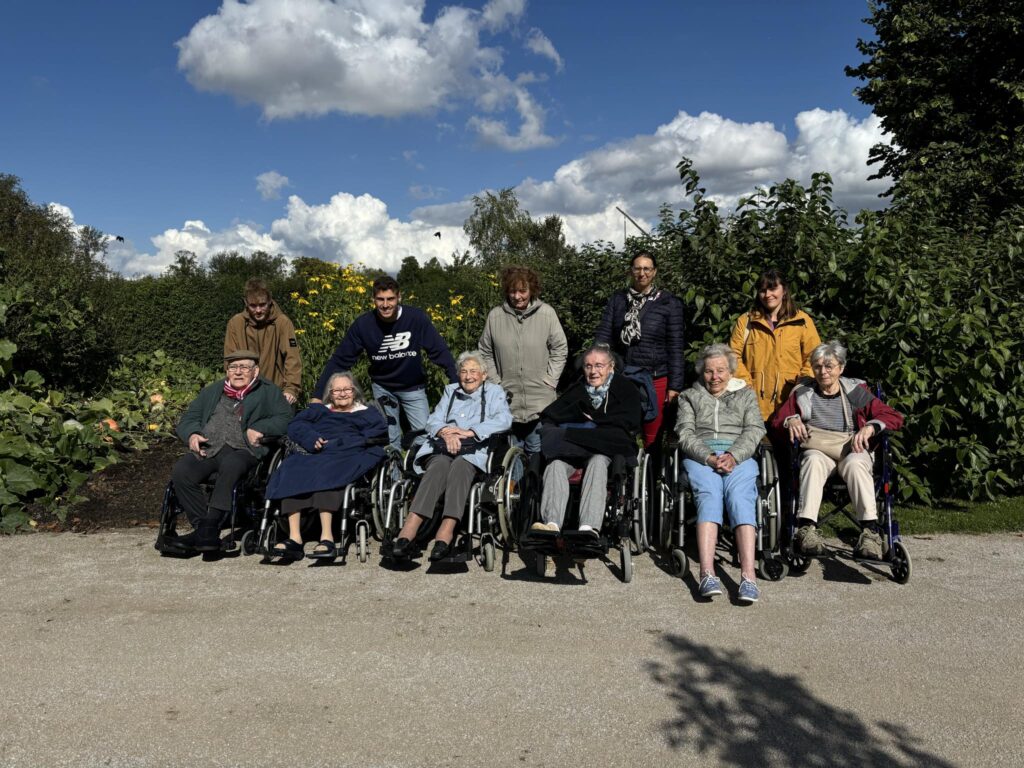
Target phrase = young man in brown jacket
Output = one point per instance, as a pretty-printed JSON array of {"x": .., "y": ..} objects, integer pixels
[{"x": 263, "y": 328}]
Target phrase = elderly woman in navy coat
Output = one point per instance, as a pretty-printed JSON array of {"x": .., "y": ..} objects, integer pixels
[{"x": 336, "y": 438}]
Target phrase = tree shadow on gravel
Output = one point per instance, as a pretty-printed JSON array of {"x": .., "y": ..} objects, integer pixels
[{"x": 748, "y": 716}]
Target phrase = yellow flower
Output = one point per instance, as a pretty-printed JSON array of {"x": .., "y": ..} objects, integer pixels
[
  {"x": 360, "y": 289},
  {"x": 314, "y": 314},
  {"x": 472, "y": 311},
  {"x": 313, "y": 292},
  {"x": 326, "y": 286},
  {"x": 295, "y": 294},
  {"x": 328, "y": 325},
  {"x": 456, "y": 300},
  {"x": 303, "y": 301},
  {"x": 458, "y": 317},
  {"x": 299, "y": 331}
]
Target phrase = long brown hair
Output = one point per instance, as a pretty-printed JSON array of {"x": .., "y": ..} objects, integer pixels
[{"x": 772, "y": 278}]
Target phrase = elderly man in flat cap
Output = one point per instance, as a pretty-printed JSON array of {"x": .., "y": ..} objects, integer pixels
[{"x": 224, "y": 428}]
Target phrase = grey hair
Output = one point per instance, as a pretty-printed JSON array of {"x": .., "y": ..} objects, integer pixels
[
  {"x": 717, "y": 350},
  {"x": 471, "y": 354},
  {"x": 357, "y": 394},
  {"x": 830, "y": 349},
  {"x": 601, "y": 348}
]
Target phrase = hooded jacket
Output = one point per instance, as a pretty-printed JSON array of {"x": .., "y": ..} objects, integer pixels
[
  {"x": 773, "y": 360},
  {"x": 274, "y": 340},
  {"x": 732, "y": 416},
  {"x": 525, "y": 353}
]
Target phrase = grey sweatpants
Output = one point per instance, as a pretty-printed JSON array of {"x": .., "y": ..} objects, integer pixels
[{"x": 593, "y": 494}]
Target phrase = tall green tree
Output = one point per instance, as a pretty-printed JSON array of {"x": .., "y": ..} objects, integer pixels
[
  {"x": 501, "y": 233},
  {"x": 947, "y": 79}
]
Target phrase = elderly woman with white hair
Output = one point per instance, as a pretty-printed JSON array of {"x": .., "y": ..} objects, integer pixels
[
  {"x": 719, "y": 427},
  {"x": 455, "y": 451},
  {"x": 341, "y": 440},
  {"x": 836, "y": 421}
]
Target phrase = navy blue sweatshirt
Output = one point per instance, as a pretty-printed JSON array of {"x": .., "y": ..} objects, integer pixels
[{"x": 394, "y": 351}]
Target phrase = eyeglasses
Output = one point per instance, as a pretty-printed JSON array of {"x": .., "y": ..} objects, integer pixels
[
  {"x": 643, "y": 270},
  {"x": 342, "y": 391},
  {"x": 596, "y": 366},
  {"x": 240, "y": 367},
  {"x": 260, "y": 305}
]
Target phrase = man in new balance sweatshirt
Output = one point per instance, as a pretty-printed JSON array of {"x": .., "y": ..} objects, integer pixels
[{"x": 392, "y": 336}]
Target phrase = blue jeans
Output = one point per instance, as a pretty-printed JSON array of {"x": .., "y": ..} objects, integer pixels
[
  {"x": 526, "y": 435},
  {"x": 411, "y": 402},
  {"x": 738, "y": 491}
]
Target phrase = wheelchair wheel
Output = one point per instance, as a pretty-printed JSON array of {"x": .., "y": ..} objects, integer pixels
[
  {"x": 248, "y": 543},
  {"x": 487, "y": 554},
  {"x": 626, "y": 561},
  {"x": 511, "y": 499},
  {"x": 643, "y": 495},
  {"x": 901, "y": 564},
  {"x": 680, "y": 563},
  {"x": 361, "y": 552},
  {"x": 772, "y": 568},
  {"x": 540, "y": 565},
  {"x": 385, "y": 480},
  {"x": 797, "y": 563}
]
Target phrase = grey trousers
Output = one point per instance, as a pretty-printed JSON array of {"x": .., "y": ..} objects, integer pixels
[
  {"x": 593, "y": 493},
  {"x": 452, "y": 478}
]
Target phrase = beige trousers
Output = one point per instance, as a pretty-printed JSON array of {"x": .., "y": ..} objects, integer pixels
[{"x": 854, "y": 468}]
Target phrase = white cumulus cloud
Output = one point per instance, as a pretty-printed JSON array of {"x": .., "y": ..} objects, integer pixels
[
  {"x": 378, "y": 58},
  {"x": 270, "y": 184},
  {"x": 637, "y": 174}
]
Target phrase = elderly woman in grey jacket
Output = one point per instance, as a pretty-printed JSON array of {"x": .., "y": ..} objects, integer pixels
[{"x": 719, "y": 427}]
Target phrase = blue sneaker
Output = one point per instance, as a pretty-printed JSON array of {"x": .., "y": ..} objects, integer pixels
[
  {"x": 749, "y": 593},
  {"x": 710, "y": 586}
]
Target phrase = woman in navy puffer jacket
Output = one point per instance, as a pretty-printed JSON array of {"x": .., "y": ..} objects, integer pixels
[{"x": 643, "y": 324}]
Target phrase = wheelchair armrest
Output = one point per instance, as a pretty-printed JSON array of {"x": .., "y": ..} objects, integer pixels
[
  {"x": 408, "y": 438},
  {"x": 374, "y": 441}
]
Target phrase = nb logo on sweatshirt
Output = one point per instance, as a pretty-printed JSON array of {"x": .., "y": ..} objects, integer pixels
[{"x": 395, "y": 342}]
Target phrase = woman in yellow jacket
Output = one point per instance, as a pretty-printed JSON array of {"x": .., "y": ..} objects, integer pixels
[{"x": 773, "y": 341}]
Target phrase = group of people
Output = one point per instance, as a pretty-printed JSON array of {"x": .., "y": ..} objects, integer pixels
[{"x": 774, "y": 377}]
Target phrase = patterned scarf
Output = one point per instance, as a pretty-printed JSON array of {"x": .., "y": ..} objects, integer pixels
[
  {"x": 631, "y": 327},
  {"x": 598, "y": 394},
  {"x": 238, "y": 394}
]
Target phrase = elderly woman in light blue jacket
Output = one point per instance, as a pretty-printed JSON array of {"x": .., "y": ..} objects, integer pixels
[
  {"x": 455, "y": 451},
  {"x": 719, "y": 427}
]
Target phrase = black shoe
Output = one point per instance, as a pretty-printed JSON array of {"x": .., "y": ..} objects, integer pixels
[
  {"x": 208, "y": 537},
  {"x": 440, "y": 551},
  {"x": 400, "y": 549},
  {"x": 180, "y": 544}
]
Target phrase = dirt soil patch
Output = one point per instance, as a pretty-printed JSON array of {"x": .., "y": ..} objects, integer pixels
[{"x": 126, "y": 494}]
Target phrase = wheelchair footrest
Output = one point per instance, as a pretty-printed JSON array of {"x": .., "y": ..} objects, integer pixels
[{"x": 574, "y": 543}]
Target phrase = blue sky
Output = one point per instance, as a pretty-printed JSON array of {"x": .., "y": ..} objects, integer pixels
[{"x": 353, "y": 130}]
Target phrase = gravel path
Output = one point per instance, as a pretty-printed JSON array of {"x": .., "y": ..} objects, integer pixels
[{"x": 112, "y": 655}]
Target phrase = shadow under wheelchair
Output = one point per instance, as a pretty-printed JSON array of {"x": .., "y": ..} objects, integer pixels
[
  {"x": 738, "y": 714},
  {"x": 561, "y": 570}
]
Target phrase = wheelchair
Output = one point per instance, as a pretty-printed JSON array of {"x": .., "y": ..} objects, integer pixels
[
  {"x": 492, "y": 520},
  {"x": 247, "y": 504},
  {"x": 623, "y": 526},
  {"x": 352, "y": 520},
  {"x": 773, "y": 563},
  {"x": 894, "y": 552}
]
